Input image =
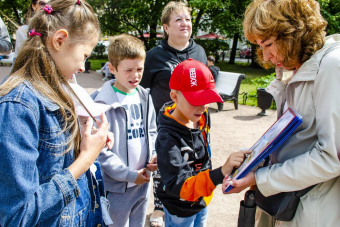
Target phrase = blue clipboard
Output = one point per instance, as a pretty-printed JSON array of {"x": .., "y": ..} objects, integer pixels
[{"x": 270, "y": 140}]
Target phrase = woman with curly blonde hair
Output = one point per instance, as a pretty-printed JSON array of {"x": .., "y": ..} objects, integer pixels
[{"x": 291, "y": 37}]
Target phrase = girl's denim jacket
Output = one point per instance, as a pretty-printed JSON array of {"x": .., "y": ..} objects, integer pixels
[{"x": 36, "y": 188}]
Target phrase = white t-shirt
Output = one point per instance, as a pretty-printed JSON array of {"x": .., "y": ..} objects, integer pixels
[{"x": 137, "y": 145}]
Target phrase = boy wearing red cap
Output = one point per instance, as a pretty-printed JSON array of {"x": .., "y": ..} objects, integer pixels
[{"x": 183, "y": 148}]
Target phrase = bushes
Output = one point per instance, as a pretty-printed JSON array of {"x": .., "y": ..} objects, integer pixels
[
  {"x": 211, "y": 47},
  {"x": 264, "y": 81}
]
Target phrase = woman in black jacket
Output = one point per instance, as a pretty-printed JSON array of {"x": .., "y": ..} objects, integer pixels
[{"x": 160, "y": 62}]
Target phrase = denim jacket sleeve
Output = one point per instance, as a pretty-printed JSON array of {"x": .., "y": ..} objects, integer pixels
[{"x": 24, "y": 201}]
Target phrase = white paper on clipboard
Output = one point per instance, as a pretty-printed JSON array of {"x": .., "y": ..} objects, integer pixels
[{"x": 96, "y": 109}]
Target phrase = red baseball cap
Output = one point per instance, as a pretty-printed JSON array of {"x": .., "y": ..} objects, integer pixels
[{"x": 195, "y": 81}]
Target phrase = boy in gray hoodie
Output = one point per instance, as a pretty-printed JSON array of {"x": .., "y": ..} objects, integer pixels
[{"x": 126, "y": 167}]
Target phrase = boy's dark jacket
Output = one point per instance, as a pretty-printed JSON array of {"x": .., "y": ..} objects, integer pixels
[{"x": 184, "y": 163}]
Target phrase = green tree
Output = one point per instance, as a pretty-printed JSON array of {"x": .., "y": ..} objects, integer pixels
[
  {"x": 330, "y": 10},
  {"x": 13, "y": 13},
  {"x": 123, "y": 16},
  {"x": 141, "y": 16},
  {"x": 227, "y": 19}
]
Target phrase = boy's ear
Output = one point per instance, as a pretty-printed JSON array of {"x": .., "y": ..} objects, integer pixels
[
  {"x": 59, "y": 38},
  {"x": 173, "y": 96},
  {"x": 112, "y": 68}
]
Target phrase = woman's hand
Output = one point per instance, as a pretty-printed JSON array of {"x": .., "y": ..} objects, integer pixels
[
  {"x": 92, "y": 142},
  {"x": 239, "y": 185}
]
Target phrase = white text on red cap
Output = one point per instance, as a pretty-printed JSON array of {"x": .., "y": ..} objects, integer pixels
[{"x": 193, "y": 79}]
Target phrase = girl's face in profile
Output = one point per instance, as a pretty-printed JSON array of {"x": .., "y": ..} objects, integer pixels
[
  {"x": 269, "y": 50},
  {"x": 68, "y": 55}
]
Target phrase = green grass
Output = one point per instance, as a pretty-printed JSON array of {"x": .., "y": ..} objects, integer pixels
[
  {"x": 96, "y": 63},
  {"x": 247, "y": 86}
]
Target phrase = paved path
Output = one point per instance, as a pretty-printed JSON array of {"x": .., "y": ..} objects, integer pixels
[{"x": 231, "y": 129}]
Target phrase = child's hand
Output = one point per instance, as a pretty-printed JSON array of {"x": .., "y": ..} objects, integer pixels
[
  {"x": 109, "y": 140},
  {"x": 90, "y": 146},
  {"x": 93, "y": 141},
  {"x": 234, "y": 160},
  {"x": 83, "y": 120},
  {"x": 152, "y": 165},
  {"x": 142, "y": 177}
]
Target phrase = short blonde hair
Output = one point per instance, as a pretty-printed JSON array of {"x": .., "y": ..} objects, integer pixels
[
  {"x": 173, "y": 7},
  {"x": 297, "y": 25},
  {"x": 125, "y": 47}
]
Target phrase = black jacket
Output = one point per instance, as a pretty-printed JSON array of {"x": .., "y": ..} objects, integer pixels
[
  {"x": 214, "y": 70},
  {"x": 160, "y": 62},
  {"x": 184, "y": 164}
]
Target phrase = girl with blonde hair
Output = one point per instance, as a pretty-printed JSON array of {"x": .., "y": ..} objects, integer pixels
[{"x": 45, "y": 178}]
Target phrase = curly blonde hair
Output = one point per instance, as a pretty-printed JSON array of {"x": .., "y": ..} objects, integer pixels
[{"x": 297, "y": 25}]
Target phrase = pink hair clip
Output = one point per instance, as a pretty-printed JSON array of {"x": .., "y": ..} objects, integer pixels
[
  {"x": 78, "y": 2},
  {"x": 48, "y": 9},
  {"x": 32, "y": 32}
]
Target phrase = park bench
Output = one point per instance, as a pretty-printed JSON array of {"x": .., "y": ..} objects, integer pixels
[
  {"x": 7, "y": 59},
  {"x": 228, "y": 86}
]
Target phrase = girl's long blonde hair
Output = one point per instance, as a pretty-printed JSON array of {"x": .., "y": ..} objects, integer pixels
[{"x": 35, "y": 65}]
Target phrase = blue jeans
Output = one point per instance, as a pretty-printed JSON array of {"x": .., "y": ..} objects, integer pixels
[{"x": 197, "y": 220}]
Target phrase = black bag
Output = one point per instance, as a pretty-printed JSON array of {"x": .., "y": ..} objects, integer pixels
[
  {"x": 281, "y": 206},
  {"x": 246, "y": 216}
]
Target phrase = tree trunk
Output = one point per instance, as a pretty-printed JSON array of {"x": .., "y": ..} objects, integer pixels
[
  {"x": 153, "y": 36},
  {"x": 141, "y": 34},
  {"x": 197, "y": 22},
  {"x": 233, "y": 49},
  {"x": 17, "y": 15}
]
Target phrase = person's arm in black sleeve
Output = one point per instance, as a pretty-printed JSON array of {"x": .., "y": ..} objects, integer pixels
[
  {"x": 213, "y": 71},
  {"x": 147, "y": 74},
  {"x": 177, "y": 175},
  {"x": 147, "y": 78}
]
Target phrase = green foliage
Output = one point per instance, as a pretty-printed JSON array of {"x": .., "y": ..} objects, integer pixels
[
  {"x": 202, "y": 13},
  {"x": 99, "y": 49},
  {"x": 228, "y": 17},
  {"x": 211, "y": 46},
  {"x": 263, "y": 82},
  {"x": 330, "y": 10},
  {"x": 13, "y": 13},
  {"x": 130, "y": 16}
]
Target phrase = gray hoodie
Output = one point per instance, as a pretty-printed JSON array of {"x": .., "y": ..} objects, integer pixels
[{"x": 114, "y": 162}]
